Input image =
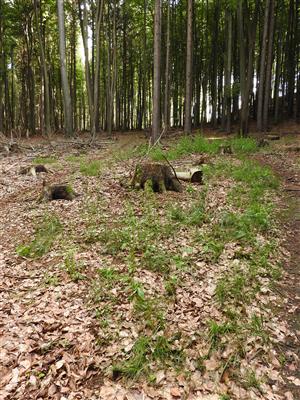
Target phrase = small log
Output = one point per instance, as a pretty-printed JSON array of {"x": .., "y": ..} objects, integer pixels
[
  {"x": 272, "y": 137},
  {"x": 33, "y": 170},
  {"x": 193, "y": 175}
]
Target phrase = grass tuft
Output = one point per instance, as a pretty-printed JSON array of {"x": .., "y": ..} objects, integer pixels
[
  {"x": 91, "y": 168},
  {"x": 45, "y": 235}
]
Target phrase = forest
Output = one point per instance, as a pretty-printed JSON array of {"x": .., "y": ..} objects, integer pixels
[
  {"x": 149, "y": 199},
  {"x": 223, "y": 63}
]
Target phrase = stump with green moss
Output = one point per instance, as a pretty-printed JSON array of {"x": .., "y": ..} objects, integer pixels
[
  {"x": 157, "y": 177},
  {"x": 58, "y": 192}
]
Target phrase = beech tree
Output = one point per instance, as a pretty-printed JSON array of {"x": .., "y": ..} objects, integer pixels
[
  {"x": 189, "y": 69},
  {"x": 156, "y": 123},
  {"x": 63, "y": 69},
  {"x": 231, "y": 64}
]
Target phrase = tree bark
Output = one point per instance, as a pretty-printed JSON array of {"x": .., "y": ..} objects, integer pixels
[
  {"x": 99, "y": 15},
  {"x": 167, "y": 75},
  {"x": 156, "y": 124},
  {"x": 84, "y": 32},
  {"x": 63, "y": 69},
  {"x": 268, "y": 78},
  {"x": 262, "y": 69},
  {"x": 189, "y": 70}
]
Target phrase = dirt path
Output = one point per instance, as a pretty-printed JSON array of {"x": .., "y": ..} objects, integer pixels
[{"x": 287, "y": 166}]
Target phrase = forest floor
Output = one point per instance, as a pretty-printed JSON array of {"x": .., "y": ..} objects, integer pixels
[{"x": 123, "y": 294}]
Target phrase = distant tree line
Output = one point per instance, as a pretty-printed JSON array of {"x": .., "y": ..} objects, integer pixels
[{"x": 104, "y": 65}]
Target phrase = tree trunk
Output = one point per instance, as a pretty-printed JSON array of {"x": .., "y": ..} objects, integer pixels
[
  {"x": 262, "y": 69},
  {"x": 167, "y": 73},
  {"x": 44, "y": 69},
  {"x": 227, "y": 90},
  {"x": 268, "y": 78},
  {"x": 156, "y": 73},
  {"x": 189, "y": 70},
  {"x": 84, "y": 33},
  {"x": 63, "y": 69},
  {"x": 99, "y": 14}
]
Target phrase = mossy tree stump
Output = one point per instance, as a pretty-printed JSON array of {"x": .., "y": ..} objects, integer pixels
[{"x": 157, "y": 177}]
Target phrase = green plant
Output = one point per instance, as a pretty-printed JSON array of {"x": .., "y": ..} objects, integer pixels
[
  {"x": 137, "y": 364},
  {"x": 45, "y": 235},
  {"x": 231, "y": 286},
  {"x": 51, "y": 280},
  {"x": 224, "y": 397},
  {"x": 217, "y": 331},
  {"x": 75, "y": 158},
  {"x": 155, "y": 259},
  {"x": 170, "y": 285},
  {"x": 250, "y": 380},
  {"x": 91, "y": 168},
  {"x": 145, "y": 351},
  {"x": 257, "y": 327},
  {"x": 73, "y": 267},
  {"x": 44, "y": 160}
]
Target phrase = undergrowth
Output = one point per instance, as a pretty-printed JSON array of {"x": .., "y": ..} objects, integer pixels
[
  {"x": 198, "y": 144},
  {"x": 45, "y": 235}
]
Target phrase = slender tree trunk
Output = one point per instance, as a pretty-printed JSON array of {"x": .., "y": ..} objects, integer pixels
[
  {"x": 268, "y": 67},
  {"x": 167, "y": 75},
  {"x": 156, "y": 124},
  {"x": 99, "y": 14},
  {"x": 63, "y": 69},
  {"x": 262, "y": 69},
  {"x": 84, "y": 32},
  {"x": 227, "y": 90},
  {"x": 189, "y": 70},
  {"x": 44, "y": 69}
]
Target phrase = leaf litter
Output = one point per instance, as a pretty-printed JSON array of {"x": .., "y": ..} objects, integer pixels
[{"x": 64, "y": 328}]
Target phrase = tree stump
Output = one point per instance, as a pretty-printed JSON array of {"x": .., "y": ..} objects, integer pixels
[
  {"x": 58, "y": 192},
  {"x": 33, "y": 170},
  {"x": 158, "y": 177}
]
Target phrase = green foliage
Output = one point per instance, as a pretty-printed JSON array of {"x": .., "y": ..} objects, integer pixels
[
  {"x": 198, "y": 144},
  {"x": 224, "y": 397},
  {"x": 149, "y": 310},
  {"x": 170, "y": 285},
  {"x": 137, "y": 364},
  {"x": 72, "y": 266},
  {"x": 146, "y": 351},
  {"x": 217, "y": 331},
  {"x": 44, "y": 160},
  {"x": 233, "y": 285},
  {"x": 155, "y": 259},
  {"x": 91, "y": 168},
  {"x": 51, "y": 279},
  {"x": 257, "y": 327},
  {"x": 45, "y": 235},
  {"x": 75, "y": 158},
  {"x": 250, "y": 380}
]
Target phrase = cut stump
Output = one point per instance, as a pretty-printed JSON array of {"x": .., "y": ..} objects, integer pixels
[
  {"x": 158, "y": 177},
  {"x": 58, "y": 192}
]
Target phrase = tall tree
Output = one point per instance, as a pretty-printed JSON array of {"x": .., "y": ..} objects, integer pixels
[
  {"x": 167, "y": 75},
  {"x": 156, "y": 123},
  {"x": 189, "y": 70},
  {"x": 63, "y": 69},
  {"x": 37, "y": 10}
]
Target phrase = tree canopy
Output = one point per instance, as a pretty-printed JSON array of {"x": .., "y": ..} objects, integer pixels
[{"x": 244, "y": 62}]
